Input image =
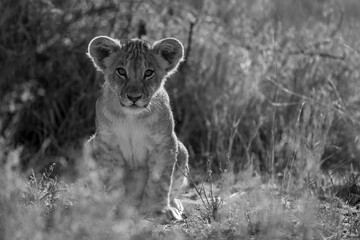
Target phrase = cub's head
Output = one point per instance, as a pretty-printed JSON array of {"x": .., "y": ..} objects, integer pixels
[{"x": 134, "y": 69}]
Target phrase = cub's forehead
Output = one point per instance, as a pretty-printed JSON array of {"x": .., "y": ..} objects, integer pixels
[
  {"x": 135, "y": 48},
  {"x": 132, "y": 54}
]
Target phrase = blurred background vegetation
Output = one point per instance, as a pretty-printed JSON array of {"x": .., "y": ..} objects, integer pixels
[{"x": 270, "y": 86}]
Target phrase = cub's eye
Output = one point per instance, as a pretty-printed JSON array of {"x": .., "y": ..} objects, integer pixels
[
  {"x": 148, "y": 73},
  {"x": 121, "y": 72}
]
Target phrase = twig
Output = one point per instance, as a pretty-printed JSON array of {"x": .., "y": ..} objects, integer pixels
[
  {"x": 341, "y": 19},
  {"x": 288, "y": 91},
  {"x": 52, "y": 192},
  {"x": 274, "y": 112},
  {"x": 189, "y": 40},
  {"x": 282, "y": 104},
  {"x": 319, "y": 54},
  {"x": 193, "y": 183}
]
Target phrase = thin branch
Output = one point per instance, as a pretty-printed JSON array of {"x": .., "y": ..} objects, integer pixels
[
  {"x": 193, "y": 183},
  {"x": 52, "y": 192},
  {"x": 341, "y": 19},
  {"x": 338, "y": 109},
  {"x": 314, "y": 54},
  {"x": 282, "y": 104},
  {"x": 288, "y": 91},
  {"x": 189, "y": 40}
]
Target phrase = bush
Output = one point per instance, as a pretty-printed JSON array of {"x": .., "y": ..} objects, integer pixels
[{"x": 263, "y": 86}]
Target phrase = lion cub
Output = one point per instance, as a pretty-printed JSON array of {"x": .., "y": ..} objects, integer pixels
[{"x": 135, "y": 148}]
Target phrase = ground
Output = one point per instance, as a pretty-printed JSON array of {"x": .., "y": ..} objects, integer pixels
[{"x": 46, "y": 208}]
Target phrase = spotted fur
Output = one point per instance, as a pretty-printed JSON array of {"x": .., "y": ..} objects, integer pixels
[{"x": 135, "y": 149}]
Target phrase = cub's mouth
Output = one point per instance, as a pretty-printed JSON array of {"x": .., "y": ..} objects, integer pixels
[
  {"x": 140, "y": 104},
  {"x": 135, "y": 106}
]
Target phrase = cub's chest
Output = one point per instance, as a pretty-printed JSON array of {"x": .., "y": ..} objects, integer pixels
[{"x": 135, "y": 140}]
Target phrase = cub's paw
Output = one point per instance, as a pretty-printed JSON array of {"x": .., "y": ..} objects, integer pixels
[
  {"x": 169, "y": 214},
  {"x": 172, "y": 214},
  {"x": 178, "y": 205}
]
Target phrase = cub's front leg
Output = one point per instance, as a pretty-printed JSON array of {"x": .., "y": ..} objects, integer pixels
[
  {"x": 156, "y": 198},
  {"x": 104, "y": 167}
]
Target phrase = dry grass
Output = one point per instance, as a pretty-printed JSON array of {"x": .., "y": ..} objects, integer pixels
[{"x": 45, "y": 208}]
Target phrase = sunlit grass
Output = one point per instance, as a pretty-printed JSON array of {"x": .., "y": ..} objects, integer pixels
[{"x": 247, "y": 208}]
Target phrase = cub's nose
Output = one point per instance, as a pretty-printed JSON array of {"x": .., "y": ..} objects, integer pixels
[{"x": 134, "y": 96}]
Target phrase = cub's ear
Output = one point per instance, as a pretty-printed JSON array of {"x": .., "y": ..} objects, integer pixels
[
  {"x": 100, "y": 48},
  {"x": 170, "y": 52}
]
